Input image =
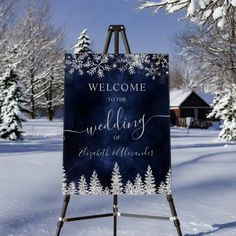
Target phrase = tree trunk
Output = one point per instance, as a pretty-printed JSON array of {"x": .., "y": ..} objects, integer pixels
[
  {"x": 32, "y": 99},
  {"x": 50, "y": 106},
  {"x": 50, "y": 114},
  {"x": 33, "y": 112}
]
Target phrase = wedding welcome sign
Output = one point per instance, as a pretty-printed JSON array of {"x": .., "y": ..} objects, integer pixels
[{"x": 116, "y": 125}]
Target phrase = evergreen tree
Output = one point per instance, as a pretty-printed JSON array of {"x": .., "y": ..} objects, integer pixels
[
  {"x": 168, "y": 182},
  {"x": 116, "y": 181},
  {"x": 95, "y": 186},
  {"x": 224, "y": 107},
  {"x": 72, "y": 188},
  {"x": 64, "y": 182},
  {"x": 83, "y": 44},
  {"x": 106, "y": 191},
  {"x": 162, "y": 188},
  {"x": 150, "y": 186},
  {"x": 82, "y": 186},
  {"x": 129, "y": 188},
  {"x": 13, "y": 107},
  {"x": 165, "y": 187},
  {"x": 138, "y": 185}
]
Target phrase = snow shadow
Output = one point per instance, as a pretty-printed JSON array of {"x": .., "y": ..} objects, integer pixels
[
  {"x": 33, "y": 145},
  {"x": 204, "y": 187},
  {"x": 186, "y": 135},
  {"x": 218, "y": 228},
  {"x": 201, "y": 157},
  {"x": 36, "y": 217},
  {"x": 26, "y": 222},
  {"x": 198, "y": 145}
]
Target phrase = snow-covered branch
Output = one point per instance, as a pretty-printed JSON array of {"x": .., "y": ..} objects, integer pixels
[{"x": 222, "y": 12}]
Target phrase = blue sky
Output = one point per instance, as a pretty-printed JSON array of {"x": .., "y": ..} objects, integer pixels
[{"x": 145, "y": 32}]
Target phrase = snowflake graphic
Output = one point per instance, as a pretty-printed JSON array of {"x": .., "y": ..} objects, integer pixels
[
  {"x": 77, "y": 64},
  {"x": 155, "y": 69},
  {"x": 161, "y": 61},
  {"x": 152, "y": 71},
  {"x": 131, "y": 62},
  {"x": 98, "y": 64}
]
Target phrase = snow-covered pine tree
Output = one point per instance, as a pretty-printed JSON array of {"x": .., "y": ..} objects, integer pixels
[
  {"x": 82, "y": 186},
  {"x": 72, "y": 188},
  {"x": 129, "y": 188},
  {"x": 13, "y": 107},
  {"x": 150, "y": 186},
  {"x": 138, "y": 185},
  {"x": 95, "y": 186},
  {"x": 83, "y": 44},
  {"x": 224, "y": 107},
  {"x": 116, "y": 181}
]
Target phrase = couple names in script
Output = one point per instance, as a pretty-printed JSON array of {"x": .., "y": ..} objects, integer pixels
[{"x": 90, "y": 153}]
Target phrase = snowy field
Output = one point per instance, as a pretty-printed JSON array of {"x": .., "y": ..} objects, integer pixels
[{"x": 204, "y": 188}]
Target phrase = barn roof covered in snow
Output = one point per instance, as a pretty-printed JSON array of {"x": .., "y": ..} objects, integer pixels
[
  {"x": 207, "y": 97},
  {"x": 178, "y": 96}
]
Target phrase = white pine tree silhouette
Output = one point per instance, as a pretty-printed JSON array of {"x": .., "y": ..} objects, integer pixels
[
  {"x": 129, "y": 188},
  {"x": 150, "y": 186},
  {"x": 95, "y": 186},
  {"x": 82, "y": 186},
  {"x": 72, "y": 188},
  {"x": 64, "y": 183},
  {"x": 168, "y": 182},
  {"x": 116, "y": 181},
  {"x": 107, "y": 191},
  {"x": 162, "y": 188},
  {"x": 165, "y": 188},
  {"x": 138, "y": 185}
]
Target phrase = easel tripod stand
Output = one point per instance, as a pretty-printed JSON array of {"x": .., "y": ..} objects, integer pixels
[{"x": 116, "y": 29}]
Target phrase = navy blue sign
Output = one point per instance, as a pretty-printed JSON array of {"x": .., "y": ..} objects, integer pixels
[{"x": 116, "y": 127}]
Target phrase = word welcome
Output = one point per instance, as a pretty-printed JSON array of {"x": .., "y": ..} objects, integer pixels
[{"x": 116, "y": 87}]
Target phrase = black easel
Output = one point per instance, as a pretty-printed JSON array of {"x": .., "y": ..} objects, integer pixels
[{"x": 116, "y": 29}]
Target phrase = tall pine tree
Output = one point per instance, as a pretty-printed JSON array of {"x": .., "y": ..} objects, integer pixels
[
  {"x": 95, "y": 186},
  {"x": 13, "y": 107},
  {"x": 150, "y": 186},
  {"x": 83, "y": 44},
  {"x": 82, "y": 186},
  {"x": 138, "y": 185},
  {"x": 116, "y": 181},
  {"x": 224, "y": 107}
]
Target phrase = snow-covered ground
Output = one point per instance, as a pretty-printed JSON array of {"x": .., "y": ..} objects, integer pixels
[{"x": 204, "y": 189}]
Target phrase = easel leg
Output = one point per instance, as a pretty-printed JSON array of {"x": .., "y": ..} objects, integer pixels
[
  {"x": 174, "y": 214},
  {"x": 62, "y": 215},
  {"x": 115, "y": 211}
]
